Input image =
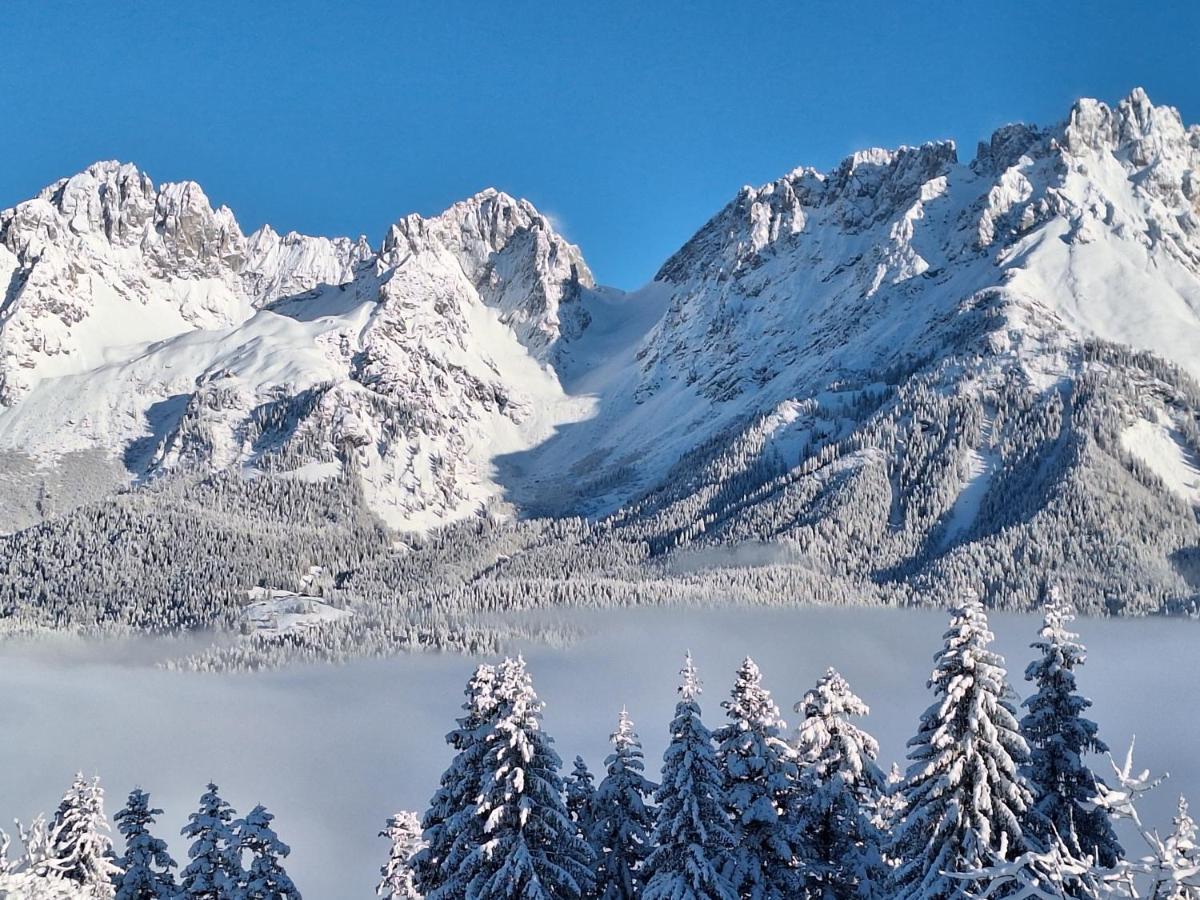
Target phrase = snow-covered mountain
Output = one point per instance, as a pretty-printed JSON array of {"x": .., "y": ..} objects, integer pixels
[
  {"x": 921, "y": 373},
  {"x": 141, "y": 323}
]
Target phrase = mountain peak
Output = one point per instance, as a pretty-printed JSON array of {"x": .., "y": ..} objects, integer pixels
[
  {"x": 1135, "y": 128},
  {"x": 903, "y": 364}
]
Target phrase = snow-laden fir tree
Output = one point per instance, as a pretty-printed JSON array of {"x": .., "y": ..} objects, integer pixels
[
  {"x": 34, "y": 876},
  {"x": 265, "y": 877},
  {"x": 214, "y": 870},
  {"x": 761, "y": 773},
  {"x": 622, "y": 825},
  {"x": 529, "y": 846},
  {"x": 964, "y": 796},
  {"x": 451, "y": 818},
  {"x": 398, "y": 881},
  {"x": 840, "y": 794},
  {"x": 693, "y": 839},
  {"x": 146, "y": 865},
  {"x": 1059, "y": 736},
  {"x": 79, "y": 838},
  {"x": 37, "y": 858},
  {"x": 889, "y": 809},
  {"x": 580, "y": 792}
]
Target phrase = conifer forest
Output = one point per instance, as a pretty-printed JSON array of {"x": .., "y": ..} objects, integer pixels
[{"x": 1008, "y": 789}]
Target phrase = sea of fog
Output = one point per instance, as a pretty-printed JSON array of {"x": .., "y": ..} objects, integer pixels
[{"x": 334, "y": 750}]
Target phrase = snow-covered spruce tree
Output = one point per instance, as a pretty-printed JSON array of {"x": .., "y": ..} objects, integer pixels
[
  {"x": 33, "y": 876},
  {"x": 693, "y": 840},
  {"x": 79, "y": 839},
  {"x": 451, "y": 817},
  {"x": 964, "y": 796},
  {"x": 840, "y": 794},
  {"x": 264, "y": 878},
  {"x": 398, "y": 881},
  {"x": 146, "y": 865},
  {"x": 530, "y": 848},
  {"x": 761, "y": 775},
  {"x": 580, "y": 793},
  {"x": 214, "y": 871},
  {"x": 622, "y": 824},
  {"x": 890, "y": 809},
  {"x": 1059, "y": 736}
]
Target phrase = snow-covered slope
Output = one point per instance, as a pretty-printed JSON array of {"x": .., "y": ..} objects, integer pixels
[
  {"x": 920, "y": 370},
  {"x": 911, "y": 367},
  {"x": 841, "y": 281},
  {"x": 141, "y": 322}
]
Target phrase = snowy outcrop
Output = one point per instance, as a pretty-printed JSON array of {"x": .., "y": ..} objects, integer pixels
[
  {"x": 283, "y": 266},
  {"x": 810, "y": 264},
  {"x": 511, "y": 255},
  {"x": 103, "y": 260}
]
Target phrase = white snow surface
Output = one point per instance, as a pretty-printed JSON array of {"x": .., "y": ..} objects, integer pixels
[
  {"x": 471, "y": 358},
  {"x": 276, "y": 612},
  {"x": 1156, "y": 444},
  {"x": 334, "y": 750}
]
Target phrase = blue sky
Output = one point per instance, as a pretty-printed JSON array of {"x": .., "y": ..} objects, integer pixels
[{"x": 629, "y": 123}]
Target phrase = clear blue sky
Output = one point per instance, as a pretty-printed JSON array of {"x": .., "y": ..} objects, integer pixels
[{"x": 629, "y": 123}]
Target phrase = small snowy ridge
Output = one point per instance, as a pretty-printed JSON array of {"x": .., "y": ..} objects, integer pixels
[
  {"x": 1155, "y": 444},
  {"x": 273, "y": 612},
  {"x": 315, "y": 471}
]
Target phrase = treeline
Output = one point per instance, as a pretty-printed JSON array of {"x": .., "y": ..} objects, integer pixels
[
  {"x": 997, "y": 801},
  {"x": 71, "y": 856}
]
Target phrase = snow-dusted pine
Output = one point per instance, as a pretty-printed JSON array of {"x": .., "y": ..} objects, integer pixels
[
  {"x": 264, "y": 878},
  {"x": 530, "y": 848},
  {"x": 1059, "y": 736},
  {"x": 79, "y": 838},
  {"x": 761, "y": 773},
  {"x": 622, "y": 824},
  {"x": 451, "y": 820},
  {"x": 693, "y": 839},
  {"x": 146, "y": 864},
  {"x": 580, "y": 790},
  {"x": 398, "y": 880},
  {"x": 214, "y": 870},
  {"x": 964, "y": 796},
  {"x": 840, "y": 795}
]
